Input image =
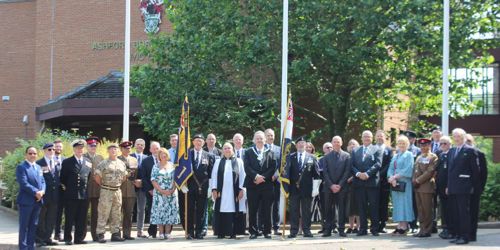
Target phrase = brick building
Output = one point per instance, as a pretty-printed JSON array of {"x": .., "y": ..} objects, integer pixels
[{"x": 52, "y": 47}]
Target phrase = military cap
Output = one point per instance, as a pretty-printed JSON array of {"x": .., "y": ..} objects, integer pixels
[
  {"x": 113, "y": 145},
  {"x": 48, "y": 145},
  {"x": 93, "y": 140},
  {"x": 198, "y": 136},
  {"x": 423, "y": 141},
  {"x": 126, "y": 144},
  {"x": 78, "y": 143}
]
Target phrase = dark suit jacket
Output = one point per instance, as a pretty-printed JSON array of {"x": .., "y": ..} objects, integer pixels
[
  {"x": 202, "y": 172},
  {"x": 336, "y": 170},
  {"x": 52, "y": 182},
  {"x": 441, "y": 172},
  {"x": 306, "y": 176},
  {"x": 483, "y": 171},
  {"x": 266, "y": 168},
  {"x": 75, "y": 178},
  {"x": 371, "y": 165},
  {"x": 463, "y": 171},
  {"x": 145, "y": 173},
  {"x": 386, "y": 160},
  {"x": 242, "y": 156},
  {"x": 30, "y": 181}
]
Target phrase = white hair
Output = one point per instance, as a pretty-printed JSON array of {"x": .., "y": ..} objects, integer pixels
[
  {"x": 367, "y": 132},
  {"x": 460, "y": 132}
]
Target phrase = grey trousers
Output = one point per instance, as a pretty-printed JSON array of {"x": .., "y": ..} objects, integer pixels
[{"x": 141, "y": 209}]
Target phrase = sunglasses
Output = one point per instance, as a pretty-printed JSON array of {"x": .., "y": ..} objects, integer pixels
[
  {"x": 50, "y": 149},
  {"x": 443, "y": 143}
]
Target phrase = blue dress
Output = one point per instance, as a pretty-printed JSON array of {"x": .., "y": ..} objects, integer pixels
[
  {"x": 402, "y": 201},
  {"x": 165, "y": 209}
]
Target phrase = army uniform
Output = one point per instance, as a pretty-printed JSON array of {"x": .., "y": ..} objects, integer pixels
[
  {"x": 423, "y": 179},
  {"x": 112, "y": 173},
  {"x": 93, "y": 190},
  {"x": 128, "y": 194}
]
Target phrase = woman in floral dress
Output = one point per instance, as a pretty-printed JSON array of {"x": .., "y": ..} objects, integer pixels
[{"x": 165, "y": 209}]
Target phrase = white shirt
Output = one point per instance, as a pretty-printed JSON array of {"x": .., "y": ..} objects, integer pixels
[{"x": 227, "y": 195}]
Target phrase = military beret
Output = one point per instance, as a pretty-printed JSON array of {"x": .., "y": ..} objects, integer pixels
[
  {"x": 198, "y": 136},
  {"x": 301, "y": 138},
  {"x": 409, "y": 133},
  {"x": 113, "y": 145},
  {"x": 93, "y": 140},
  {"x": 126, "y": 144},
  {"x": 423, "y": 141},
  {"x": 48, "y": 145},
  {"x": 78, "y": 143}
]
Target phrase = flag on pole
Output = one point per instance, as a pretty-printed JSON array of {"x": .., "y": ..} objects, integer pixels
[
  {"x": 285, "y": 146},
  {"x": 182, "y": 161}
]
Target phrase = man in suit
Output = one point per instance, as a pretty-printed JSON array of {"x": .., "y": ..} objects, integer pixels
[
  {"x": 48, "y": 212},
  {"x": 380, "y": 137},
  {"x": 463, "y": 176},
  {"x": 147, "y": 187},
  {"x": 211, "y": 147},
  {"x": 172, "y": 151},
  {"x": 30, "y": 197},
  {"x": 366, "y": 163},
  {"x": 75, "y": 174},
  {"x": 241, "y": 220},
  {"x": 275, "y": 215},
  {"x": 320, "y": 199},
  {"x": 260, "y": 166},
  {"x": 441, "y": 183},
  {"x": 141, "y": 201},
  {"x": 336, "y": 171},
  {"x": 478, "y": 188},
  {"x": 93, "y": 188},
  {"x": 301, "y": 169},
  {"x": 239, "y": 151},
  {"x": 197, "y": 186},
  {"x": 58, "y": 158}
]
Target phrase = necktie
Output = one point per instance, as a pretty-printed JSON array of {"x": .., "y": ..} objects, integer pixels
[
  {"x": 238, "y": 153},
  {"x": 456, "y": 152},
  {"x": 196, "y": 159},
  {"x": 139, "y": 158},
  {"x": 51, "y": 168},
  {"x": 300, "y": 161},
  {"x": 80, "y": 162},
  {"x": 364, "y": 152}
]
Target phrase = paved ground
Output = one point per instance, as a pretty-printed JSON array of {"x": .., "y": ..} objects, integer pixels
[{"x": 487, "y": 239}]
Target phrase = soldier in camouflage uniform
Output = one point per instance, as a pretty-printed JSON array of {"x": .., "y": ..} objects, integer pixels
[
  {"x": 110, "y": 175},
  {"x": 128, "y": 188},
  {"x": 93, "y": 189}
]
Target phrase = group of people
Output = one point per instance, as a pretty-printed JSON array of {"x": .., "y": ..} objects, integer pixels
[{"x": 245, "y": 185}]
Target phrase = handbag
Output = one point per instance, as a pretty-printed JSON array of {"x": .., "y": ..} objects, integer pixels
[{"x": 400, "y": 185}]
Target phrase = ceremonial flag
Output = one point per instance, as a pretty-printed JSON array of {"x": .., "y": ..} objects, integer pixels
[
  {"x": 285, "y": 146},
  {"x": 182, "y": 161}
]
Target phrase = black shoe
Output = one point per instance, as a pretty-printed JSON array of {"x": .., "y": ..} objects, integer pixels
[
  {"x": 325, "y": 234},
  {"x": 276, "y": 232},
  {"x": 334, "y": 231},
  {"x": 416, "y": 235},
  {"x": 80, "y": 242},
  {"x": 424, "y": 235},
  {"x": 232, "y": 237},
  {"x": 189, "y": 237},
  {"x": 291, "y": 236},
  {"x": 382, "y": 231},
  {"x": 461, "y": 241},
  {"x": 100, "y": 238},
  {"x": 267, "y": 236},
  {"x": 116, "y": 237},
  {"x": 355, "y": 231},
  {"x": 253, "y": 236},
  {"x": 362, "y": 233},
  {"x": 308, "y": 235},
  {"x": 204, "y": 233},
  {"x": 375, "y": 233},
  {"x": 342, "y": 234},
  {"x": 259, "y": 233},
  {"x": 220, "y": 237},
  {"x": 128, "y": 238},
  {"x": 434, "y": 230},
  {"x": 199, "y": 237},
  {"x": 444, "y": 234},
  {"x": 349, "y": 231},
  {"x": 41, "y": 244},
  {"x": 320, "y": 231},
  {"x": 59, "y": 237},
  {"x": 69, "y": 243},
  {"x": 454, "y": 240},
  {"x": 51, "y": 243}
]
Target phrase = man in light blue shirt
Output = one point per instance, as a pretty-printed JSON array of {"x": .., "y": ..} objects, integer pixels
[{"x": 174, "y": 138}]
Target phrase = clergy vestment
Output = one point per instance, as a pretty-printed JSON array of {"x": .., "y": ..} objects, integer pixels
[{"x": 228, "y": 177}]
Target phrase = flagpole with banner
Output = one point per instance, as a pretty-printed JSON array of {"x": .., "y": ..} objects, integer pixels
[
  {"x": 183, "y": 167},
  {"x": 286, "y": 143}
]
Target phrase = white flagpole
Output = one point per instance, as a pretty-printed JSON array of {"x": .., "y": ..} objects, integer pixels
[
  {"x": 446, "y": 56},
  {"x": 126, "y": 74},
  {"x": 284, "y": 89}
]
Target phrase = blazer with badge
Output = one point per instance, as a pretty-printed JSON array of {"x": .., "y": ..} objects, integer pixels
[
  {"x": 370, "y": 163},
  {"x": 30, "y": 179},
  {"x": 266, "y": 167},
  {"x": 75, "y": 178},
  {"x": 301, "y": 178},
  {"x": 336, "y": 170},
  {"x": 463, "y": 170},
  {"x": 386, "y": 160},
  {"x": 201, "y": 172},
  {"x": 52, "y": 181},
  {"x": 441, "y": 173},
  {"x": 423, "y": 172}
]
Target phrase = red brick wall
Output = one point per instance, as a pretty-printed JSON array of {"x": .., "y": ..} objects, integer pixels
[
  {"x": 25, "y": 45},
  {"x": 17, "y": 71}
]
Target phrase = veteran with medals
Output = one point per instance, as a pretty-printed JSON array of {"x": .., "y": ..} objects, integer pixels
[{"x": 128, "y": 188}]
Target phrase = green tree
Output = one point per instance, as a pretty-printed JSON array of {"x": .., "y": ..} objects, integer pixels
[{"x": 348, "y": 61}]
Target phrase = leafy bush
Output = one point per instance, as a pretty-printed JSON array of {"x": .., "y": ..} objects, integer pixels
[
  {"x": 12, "y": 159},
  {"x": 489, "y": 200}
]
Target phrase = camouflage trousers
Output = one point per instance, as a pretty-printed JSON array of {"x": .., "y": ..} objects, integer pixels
[{"x": 109, "y": 208}]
